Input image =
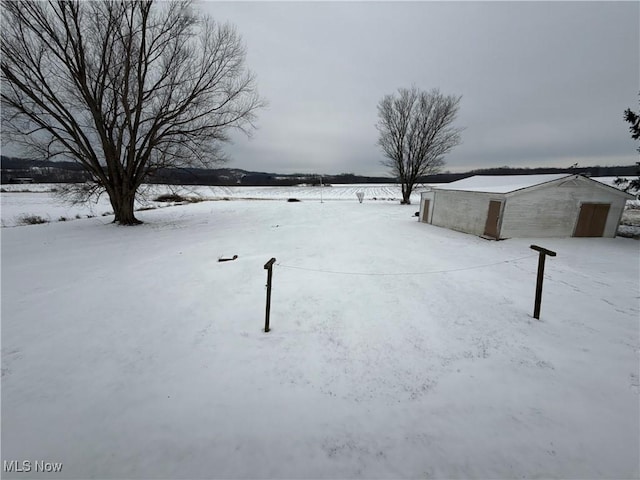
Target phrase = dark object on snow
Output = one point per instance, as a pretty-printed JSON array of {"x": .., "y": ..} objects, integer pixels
[
  {"x": 227, "y": 259},
  {"x": 293, "y": 200},
  {"x": 417, "y": 214},
  {"x": 269, "y": 268},
  {"x": 543, "y": 253},
  {"x": 170, "y": 197}
]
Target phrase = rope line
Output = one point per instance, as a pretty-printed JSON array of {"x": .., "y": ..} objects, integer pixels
[{"x": 404, "y": 273}]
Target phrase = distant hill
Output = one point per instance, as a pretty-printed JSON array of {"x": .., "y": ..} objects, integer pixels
[{"x": 20, "y": 170}]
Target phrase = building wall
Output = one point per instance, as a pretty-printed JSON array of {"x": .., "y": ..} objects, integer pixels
[
  {"x": 548, "y": 211},
  {"x": 462, "y": 211},
  {"x": 552, "y": 211}
]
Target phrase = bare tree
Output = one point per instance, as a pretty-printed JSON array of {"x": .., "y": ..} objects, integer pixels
[
  {"x": 122, "y": 87},
  {"x": 416, "y": 133}
]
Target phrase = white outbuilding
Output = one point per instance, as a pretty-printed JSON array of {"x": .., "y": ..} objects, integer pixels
[{"x": 507, "y": 206}]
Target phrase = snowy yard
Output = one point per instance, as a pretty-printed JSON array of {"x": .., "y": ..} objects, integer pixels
[
  {"x": 398, "y": 349},
  {"x": 43, "y": 200}
]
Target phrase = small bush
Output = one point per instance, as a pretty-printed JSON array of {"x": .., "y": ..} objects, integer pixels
[
  {"x": 106, "y": 214},
  {"x": 62, "y": 219},
  {"x": 629, "y": 231},
  {"x": 31, "y": 220},
  {"x": 78, "y": 216},
  {"x": 170, "y": 197}
]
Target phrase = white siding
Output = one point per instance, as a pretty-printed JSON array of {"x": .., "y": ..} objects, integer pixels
[
  {"x": 615, "y": 215},
  {"x": 462, "y": 211},
  {"x": 552, "y": 210}
]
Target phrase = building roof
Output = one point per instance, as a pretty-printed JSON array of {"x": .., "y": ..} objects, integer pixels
[{"x": 501, "y": 183}]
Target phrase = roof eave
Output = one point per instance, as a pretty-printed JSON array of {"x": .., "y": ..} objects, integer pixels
[{"x": 604, "y": 186}]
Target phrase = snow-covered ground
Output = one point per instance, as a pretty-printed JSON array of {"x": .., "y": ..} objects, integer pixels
[
  {"x": 398, "y": 349},
  {"x": 18, "y": 202},
  {"x": 42, "y": 200},
  {"x": 611, "y": 181}
]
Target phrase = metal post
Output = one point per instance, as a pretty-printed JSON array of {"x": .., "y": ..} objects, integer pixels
[
  {"x": 538, "y": 301},
  {"x": 321, "y": 189},
  {"x": 269, "y": 267},
  {"x": 543, "y": 253}
]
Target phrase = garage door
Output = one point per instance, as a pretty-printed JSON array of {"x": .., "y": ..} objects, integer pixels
[
  {"x": 592, "y": 219},
  {"x": 493, "y": 216}
]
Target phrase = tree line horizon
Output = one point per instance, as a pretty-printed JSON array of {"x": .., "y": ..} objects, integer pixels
[{"x": 16, "y": 169}]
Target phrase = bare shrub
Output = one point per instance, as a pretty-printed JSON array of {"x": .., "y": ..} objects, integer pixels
[
  {"x": 27, "y": 219},
  {"x": 170, "y": 197}
]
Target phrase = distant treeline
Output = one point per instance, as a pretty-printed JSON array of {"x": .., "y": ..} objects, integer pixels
[{"x": 19, "y": 170}]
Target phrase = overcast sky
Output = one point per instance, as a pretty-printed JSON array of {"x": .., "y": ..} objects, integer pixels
[{"x": 542, "y": 83}]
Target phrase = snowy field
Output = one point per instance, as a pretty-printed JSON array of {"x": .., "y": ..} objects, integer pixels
[
  {"x": 43, "y": 200},
  {"x": 19, "y": 202},
  {"x": 398, "y": 349}
]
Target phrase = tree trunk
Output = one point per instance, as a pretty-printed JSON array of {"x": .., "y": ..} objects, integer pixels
[
  {"x": 122, "y": 204},
  {"x": 406, "y": 194}
]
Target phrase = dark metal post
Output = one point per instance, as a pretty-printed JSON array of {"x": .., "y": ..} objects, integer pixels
[
  {"x": 536, "y": 308},
  {"x": 269, "y": 267},
  {"x": 543, "y": 253}
]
